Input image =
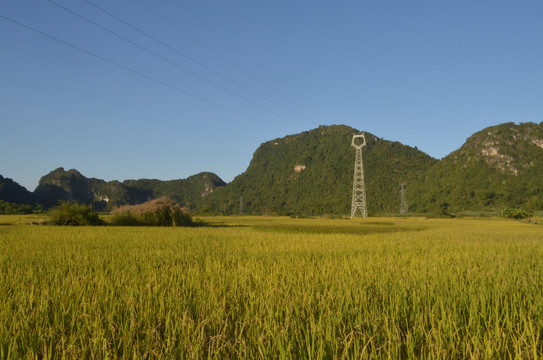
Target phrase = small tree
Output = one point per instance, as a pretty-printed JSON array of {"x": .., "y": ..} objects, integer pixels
[
  {"x": 68, "y": 213},
  {"x": 512, "y": 213}
]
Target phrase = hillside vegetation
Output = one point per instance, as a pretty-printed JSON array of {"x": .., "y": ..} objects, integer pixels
[
  {"x": 71, "y": 185},
  {"x": 311, "y": 173},
  {"x": 11, "y": 192},
  {"x": 500, "y": 166}
]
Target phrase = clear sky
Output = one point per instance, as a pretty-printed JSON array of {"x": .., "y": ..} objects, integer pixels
[{"x": 165, "y": 89}]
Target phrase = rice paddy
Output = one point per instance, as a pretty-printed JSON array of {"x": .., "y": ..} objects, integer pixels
[{"x": 266, "y": 287}]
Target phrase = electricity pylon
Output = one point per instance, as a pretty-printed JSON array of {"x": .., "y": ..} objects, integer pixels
[
  {"x": 403, "y": 203},
  {"x": 359, "y": 187}
]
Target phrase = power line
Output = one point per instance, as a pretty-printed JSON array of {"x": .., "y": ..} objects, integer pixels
[
  {"x": 140, "y": 74},
  {"x": 254, "y": 59},
  {"x": 221, "y": 55},
  {"x": 195, "y": 61},
  {"x": 175, "y": 64}
]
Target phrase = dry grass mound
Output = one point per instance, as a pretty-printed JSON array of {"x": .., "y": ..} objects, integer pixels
[{"x": 158, "y": 212}]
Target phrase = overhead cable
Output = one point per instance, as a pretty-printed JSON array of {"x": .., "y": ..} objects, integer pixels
[
  {"x": 254, "y": 59},
  {"x": 163, "y": 83},
  {"x": 195, "y": 61},
  {"x": 214, "y": 51},
  {"x": 175, "y": 64}
]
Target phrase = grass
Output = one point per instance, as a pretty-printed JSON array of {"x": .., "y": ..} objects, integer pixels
[
  {"x": 256, "y": 287},
  {"x": 157, "y": 212}
]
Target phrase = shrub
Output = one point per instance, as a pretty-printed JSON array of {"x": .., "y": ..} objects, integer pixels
[
  {"x": 68, "y": 213},
  {"x": 512, "y": 213},
  {"x": 8, "y": 208},
  {"x": 159, "y": 212}
]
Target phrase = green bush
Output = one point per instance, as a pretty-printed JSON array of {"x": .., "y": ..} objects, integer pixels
[
  {"x": 160, "y": 212},
  {"x": 7, "y": 208},
  {"x": 68, "y": 213},
  {"x": 512, "y": 213}
]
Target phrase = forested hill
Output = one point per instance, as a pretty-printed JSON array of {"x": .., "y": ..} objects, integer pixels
[
  {"x": 500, "y": 166},
  {"x": 71, "y": 185},
  {"x": 12, "y": 192},
  {"x": 311, "y": 173}
]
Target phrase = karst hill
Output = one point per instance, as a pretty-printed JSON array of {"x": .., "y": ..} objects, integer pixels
[{"x": 311, "y": 173}]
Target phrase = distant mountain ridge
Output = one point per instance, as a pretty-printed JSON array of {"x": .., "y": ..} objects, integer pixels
[
  {"x": 71, "y": 185},
  {"x": 311, "y": 173},
  {"x": 12, "y": 192}
]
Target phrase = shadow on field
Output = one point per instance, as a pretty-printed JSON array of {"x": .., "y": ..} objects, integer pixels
[
  {"x": 219, "y": 225},
  {"x": 362, "y": 229}
]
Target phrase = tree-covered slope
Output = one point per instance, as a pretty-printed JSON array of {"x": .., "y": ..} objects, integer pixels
[
  {"x": 12, "y": 192},
  {"x": 497, "y": 167},
  {"x": 64, "y": 185},
  {"x": 311, "y": 173},
  {"x": 71, "y": 185},
  {"x": 189, "y": 192}
]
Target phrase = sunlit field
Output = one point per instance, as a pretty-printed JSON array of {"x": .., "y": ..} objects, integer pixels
[{"x": 266, "y": 287}]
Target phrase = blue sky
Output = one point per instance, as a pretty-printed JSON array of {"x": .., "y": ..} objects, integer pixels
[{"x": 167, "y": 89}]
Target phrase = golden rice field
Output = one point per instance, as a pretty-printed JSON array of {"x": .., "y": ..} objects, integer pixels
[{"x": 266, "y": 287}]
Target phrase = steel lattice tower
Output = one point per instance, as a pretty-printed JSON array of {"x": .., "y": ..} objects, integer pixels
[
  {"x": 403, "y": 203},
  {"x": 359, "y": 187}
]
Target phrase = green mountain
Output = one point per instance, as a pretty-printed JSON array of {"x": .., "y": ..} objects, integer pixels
[
  {"x": 63, "y": 185},
  {"x": 497, "y": 167},
  {"x": 71, "y": 185},
  {"x": 189, "y": 192},
  {"x": 12, "y": 192},
  {"x": 312, "y": 174}
]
